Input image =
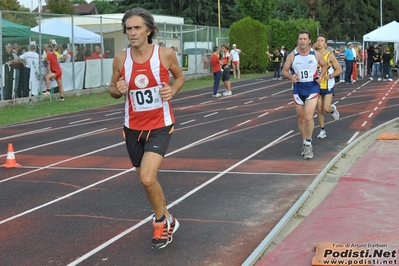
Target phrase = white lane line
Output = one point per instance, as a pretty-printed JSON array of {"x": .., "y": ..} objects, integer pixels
[
  {"x": 206, "y": 102},
  {"x": 79, "y": 121},
  {"x": 187, "y": 122},
  {"x": 364, "y": 123},
  {"x": 375, "y": 109},
  {"x": 278, "y": 108},
  {"x": 263, "y": 114},
  {"x": 248, "y": 102},
  {"x": 291, "y": 103},
  {"x": 117, "y": 237},
  {"x": 383, "y": 98},
  {"x": 244, "y": 123},
  {"x": 116, "y": 113},
  {"x": 92, "y": 185},
  {"x": 91, "y": 133},
  {"x": 261, "y": 98},
  {"x": 370, "y": 115},
  {"x": 70, "y": 194},
  {"x": 353, "y": 137},
  {"x": 27, "y": 133},
  {"x": 343, "y": 98},
  {"x": 60, "y": 162},
  {"x": 208, "y": 115},
  {"x": 186, "y": 107},
  {"x": 380, "y": 103},
  {"x": 283, "y": 91},
  {"x": 231, "y": 107}
]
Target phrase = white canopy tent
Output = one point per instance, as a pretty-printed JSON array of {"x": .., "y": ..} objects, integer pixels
[
  {"x": 386, "y": 33},
  {"x": 58, "y": 27}
]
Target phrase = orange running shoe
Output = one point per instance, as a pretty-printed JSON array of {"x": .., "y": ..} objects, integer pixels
[{"x": 160, "y": 237}]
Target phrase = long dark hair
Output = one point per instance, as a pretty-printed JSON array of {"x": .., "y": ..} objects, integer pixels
[{"x": 148, "y": 21}]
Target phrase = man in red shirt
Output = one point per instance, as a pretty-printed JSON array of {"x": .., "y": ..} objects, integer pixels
[
  {"x": 54, "y": 71},
  {"x": 98, "y": 54}
]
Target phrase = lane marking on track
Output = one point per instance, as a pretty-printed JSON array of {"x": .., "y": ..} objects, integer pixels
[
  {"x": 370, "y": 115},
  {"x": 187, "y": 122},
  {"x": 230, "y": 108},
  {"x": 63, "y": 161},
  {"x": 364, "y": 123},
  {"x": 117, "y": 237},
  {"x": 215, "y": 113},
  {"x": 243, "y": 123},
  {"x": 353, "y": 137},
  {"x": 186, "y": 107},
  {"x": 91, "y": 133},
  {"x": 79, "y": 121},
  {"x": 117, "y": 113},
  {"x": 27, "y": 133},
  {"x": 263, "y": 114},
  {"x": 89, "y": 186},
  {"x": 249, "y": 102},
  {"x": 169, "y": 171}
]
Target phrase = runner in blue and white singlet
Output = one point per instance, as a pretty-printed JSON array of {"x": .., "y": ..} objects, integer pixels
[
  {"x": 306, "y": 79},
  {"x": 305, "y": 66}
]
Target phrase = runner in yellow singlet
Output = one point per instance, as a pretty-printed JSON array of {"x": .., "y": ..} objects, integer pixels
[{"x": 324, "y": 102}]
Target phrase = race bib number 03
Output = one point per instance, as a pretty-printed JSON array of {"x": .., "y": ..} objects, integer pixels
[
  {"x": 146, "y": 99},
  {"x": 305, "y": 75}
]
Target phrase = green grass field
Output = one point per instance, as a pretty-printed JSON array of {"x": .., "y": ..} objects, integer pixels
[{"x": 45, "y": 108}]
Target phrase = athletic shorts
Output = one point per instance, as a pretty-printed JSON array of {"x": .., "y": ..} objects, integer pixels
[
  {"x": 140, "y": 141},
  {"x": 58, "y": 75},
  {"x": 301, "y": 99},
  {"x": 226, "y": 73},
  {"x": 236, "y": 62},
  {"x": 326, "y": 91}
]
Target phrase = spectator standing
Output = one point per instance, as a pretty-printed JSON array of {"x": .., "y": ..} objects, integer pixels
[
  {"x": 349, "y": 60},
  {"x": 17, "y": 67},
  {"x": 30, "y": 61},
  {"x": 54, "y": 71},
  {"x": 386, "y": 64},
  {"x": 226, "y": 60},
  {"x": 376, "y": 64},
  {"x": 235, "y": 53},
  {"x": 217, "y": 71},
  {"x": 276, "y": 58},
  {"x": 370, "y": 54},
  {"x": 66, "y": 56},
  {"x": 87, "y": 54},
  {"x": 341, "y": 60},
  {"x": 97, "y": 54},
  {"x": 8, "y": 59},
  {"x": 141, "y": 75}
]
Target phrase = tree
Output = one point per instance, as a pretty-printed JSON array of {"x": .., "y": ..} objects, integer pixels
[
  {"x": 60, "y": 6},
  {"x": 260, "y": 10},
  {"x": 11, "y": 5},
  {"x": 289, "y": 9}
]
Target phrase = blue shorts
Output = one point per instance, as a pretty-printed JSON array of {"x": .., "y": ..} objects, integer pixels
[{"x": 326, "y": 91}]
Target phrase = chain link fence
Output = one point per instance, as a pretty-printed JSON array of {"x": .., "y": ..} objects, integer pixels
[{"x": 89, "y": 44}]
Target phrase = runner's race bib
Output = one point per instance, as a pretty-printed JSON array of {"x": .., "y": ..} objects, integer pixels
[{"x": 146, "y": 99}]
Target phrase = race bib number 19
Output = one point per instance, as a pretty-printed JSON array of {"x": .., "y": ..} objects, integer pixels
[
  {"x": 305, "y": 75},
  {"x": 146, "y": 99}
]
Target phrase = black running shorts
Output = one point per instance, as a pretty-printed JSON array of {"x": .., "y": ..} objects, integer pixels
[{"x": 140, "y": 141}]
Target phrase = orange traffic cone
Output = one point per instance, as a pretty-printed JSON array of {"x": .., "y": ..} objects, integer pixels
[{"x": 10, "y": 161}]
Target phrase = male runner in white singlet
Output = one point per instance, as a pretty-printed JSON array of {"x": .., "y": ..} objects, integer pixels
[{"x": 304, "y": 61}]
